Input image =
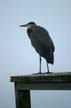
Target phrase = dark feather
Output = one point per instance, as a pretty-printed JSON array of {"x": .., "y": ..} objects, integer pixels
[{"x": 42, "y": 42}]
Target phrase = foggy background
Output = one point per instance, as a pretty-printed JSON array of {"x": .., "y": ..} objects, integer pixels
[{"x": 17, "y": 57}]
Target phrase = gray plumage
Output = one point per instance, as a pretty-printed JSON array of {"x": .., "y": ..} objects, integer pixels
[{"x": 41, "y": 41}]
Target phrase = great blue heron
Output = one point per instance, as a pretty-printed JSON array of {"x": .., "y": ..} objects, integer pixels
[{"x": 41, "y": 41}]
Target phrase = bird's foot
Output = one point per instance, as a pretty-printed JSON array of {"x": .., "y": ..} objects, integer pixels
[
  {"x": 39, "y": 72},
  {"x": 49, "y": 72}
]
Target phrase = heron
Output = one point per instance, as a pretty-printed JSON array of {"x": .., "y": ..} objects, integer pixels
[{"x": 42, "y": 42}]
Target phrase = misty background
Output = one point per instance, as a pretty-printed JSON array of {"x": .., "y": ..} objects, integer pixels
[{"x": 17, "y": 57}]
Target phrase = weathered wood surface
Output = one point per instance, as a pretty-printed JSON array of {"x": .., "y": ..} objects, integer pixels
[
  {"x": 52, "y": 81},
  {"x": 22, "y": 98}
]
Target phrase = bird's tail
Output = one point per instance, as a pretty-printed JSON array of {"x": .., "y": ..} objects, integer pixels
[{"x": 50, "y": 59}]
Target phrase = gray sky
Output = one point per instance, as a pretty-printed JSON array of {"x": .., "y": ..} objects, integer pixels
[{"x": 17, "y": 57}]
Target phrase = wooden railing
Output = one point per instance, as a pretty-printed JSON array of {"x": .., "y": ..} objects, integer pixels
[{"x": 51, "y": 81}]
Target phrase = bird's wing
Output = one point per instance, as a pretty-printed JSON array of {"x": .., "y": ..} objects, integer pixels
[{"x": 43, "y": 36}]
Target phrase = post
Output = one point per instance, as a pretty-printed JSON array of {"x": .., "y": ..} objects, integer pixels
[{"x": 22, "y": 98}]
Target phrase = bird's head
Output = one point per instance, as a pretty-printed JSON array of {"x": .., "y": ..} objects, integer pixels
[{"x": 28, "y": 25}]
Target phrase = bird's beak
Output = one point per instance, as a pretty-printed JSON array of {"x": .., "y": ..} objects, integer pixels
[{"x": 25, "y": 25}]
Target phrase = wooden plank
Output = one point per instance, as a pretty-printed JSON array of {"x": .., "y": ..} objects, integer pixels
[
  {"x": 43, "y": 78},
  {"x": 44, "y": 86},
  {"x": 52, "y": 81}
]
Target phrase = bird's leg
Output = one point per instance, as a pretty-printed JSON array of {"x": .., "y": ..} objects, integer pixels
[
  {"x": 47, "y": 68},
  {"x": 39, "y": 64}
]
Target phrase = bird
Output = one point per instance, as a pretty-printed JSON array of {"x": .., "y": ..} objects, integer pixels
[{"x": 42, "y": 43}]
